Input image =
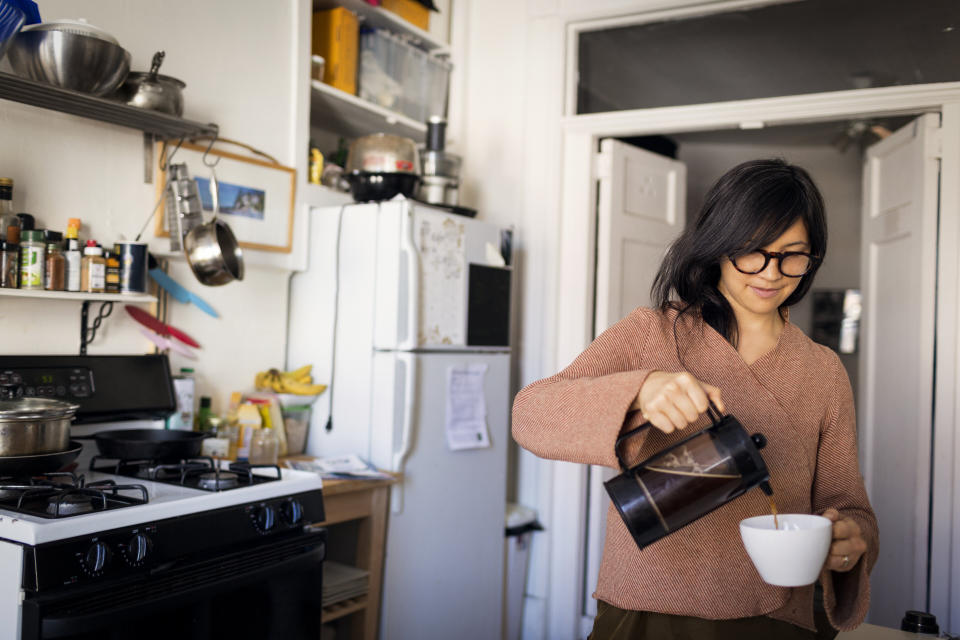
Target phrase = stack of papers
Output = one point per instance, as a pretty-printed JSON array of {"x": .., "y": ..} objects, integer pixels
[
  {"x": 341, "y": 582},
  {"x": 349, "y": 466}
]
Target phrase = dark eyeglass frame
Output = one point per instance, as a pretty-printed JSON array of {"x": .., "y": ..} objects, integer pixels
[{"x": 780, "y": 257}]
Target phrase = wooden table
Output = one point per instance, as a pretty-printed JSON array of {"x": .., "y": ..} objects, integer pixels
[{"x": 366, "y": 502}]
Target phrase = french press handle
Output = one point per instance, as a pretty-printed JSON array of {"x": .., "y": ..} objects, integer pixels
[{"x": 712, "y": 411}]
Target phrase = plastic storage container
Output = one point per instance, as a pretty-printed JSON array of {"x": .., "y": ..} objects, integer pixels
[{"x": 399, "y": 76}]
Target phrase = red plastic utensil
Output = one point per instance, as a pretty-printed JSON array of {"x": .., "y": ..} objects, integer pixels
[{"x": 162, "y": 328}]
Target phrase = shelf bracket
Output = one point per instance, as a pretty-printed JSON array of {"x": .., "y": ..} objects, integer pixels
[
  {"x": 148, "y": 144},
  {"x": 87, "y": 335}
]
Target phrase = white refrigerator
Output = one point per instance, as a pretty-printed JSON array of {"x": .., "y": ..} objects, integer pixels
[{"x": 408, "y": 309}]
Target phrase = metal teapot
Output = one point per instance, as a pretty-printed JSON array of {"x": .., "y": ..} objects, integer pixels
[{"x": 689, "y": 479}]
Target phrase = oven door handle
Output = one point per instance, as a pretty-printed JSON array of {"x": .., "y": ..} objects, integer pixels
[{"x": 55, "y": 626}]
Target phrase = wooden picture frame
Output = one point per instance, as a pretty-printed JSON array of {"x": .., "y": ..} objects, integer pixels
[{"x": 257, "y": 197}]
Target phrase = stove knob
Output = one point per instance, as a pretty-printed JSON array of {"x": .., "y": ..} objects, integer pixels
[
  {"x": 265, "y": 518},
  {"x": 97, "y": 557},
  {"x": 291, "y": 512},
  {"x": 138, "y": 547}
]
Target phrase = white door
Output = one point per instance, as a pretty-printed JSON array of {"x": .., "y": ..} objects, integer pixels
[
  {"x": 640, "y": 211},
  {"x": 899, "y": 252}
]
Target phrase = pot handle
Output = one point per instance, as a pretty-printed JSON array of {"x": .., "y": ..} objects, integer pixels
[
  {"x": 712, "y": 411},
  {"x": 214, "y": 194}
]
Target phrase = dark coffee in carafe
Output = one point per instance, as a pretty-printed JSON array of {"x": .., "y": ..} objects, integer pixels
[{"x": 688, "y": 480}]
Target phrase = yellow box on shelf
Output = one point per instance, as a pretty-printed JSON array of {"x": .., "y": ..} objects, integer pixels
[
  {"x": 411, "y": 11},
  {"x": 336, "y": 35}
]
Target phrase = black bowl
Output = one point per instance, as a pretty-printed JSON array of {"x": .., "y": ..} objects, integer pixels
[{"x": 367, "y": 186}]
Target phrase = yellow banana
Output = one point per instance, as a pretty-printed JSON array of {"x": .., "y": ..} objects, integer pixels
[{"x": 303, "y": 389}]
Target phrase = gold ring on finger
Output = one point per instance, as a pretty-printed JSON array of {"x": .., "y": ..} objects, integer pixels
[{"x": 845, "y": 562}]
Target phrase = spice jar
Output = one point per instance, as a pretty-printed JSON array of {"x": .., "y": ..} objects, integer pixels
[
  {"x": 55, "y": 268},
  {"x": 32, "y": 251},
  {"x": 112, "y": 273},
  {"x": 9, "y": 265},
  {"x": 264, "y": 446},
  {"x": 92, "y": 269}
]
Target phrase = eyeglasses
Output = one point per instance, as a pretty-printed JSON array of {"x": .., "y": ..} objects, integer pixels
[{"x": 793, "y": 264}]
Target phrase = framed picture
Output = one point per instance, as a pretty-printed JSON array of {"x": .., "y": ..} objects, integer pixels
[{"x": 256, "y": 196}]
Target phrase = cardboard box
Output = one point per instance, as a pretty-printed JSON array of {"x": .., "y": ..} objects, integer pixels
[
  {"x": 336, "y": 35},
  {"x": 413, "y": 12}
]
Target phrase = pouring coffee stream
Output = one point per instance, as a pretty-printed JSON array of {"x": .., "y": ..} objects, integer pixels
[{"x": 689, "y": 479}]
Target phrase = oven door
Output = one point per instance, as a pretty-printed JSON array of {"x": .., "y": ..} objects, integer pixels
[{"x": 270, "y": 590}]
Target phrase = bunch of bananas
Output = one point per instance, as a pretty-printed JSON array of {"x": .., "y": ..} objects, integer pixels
[{"x": 298, "y": 382}]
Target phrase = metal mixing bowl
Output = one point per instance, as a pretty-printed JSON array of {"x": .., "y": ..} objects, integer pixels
[{"x": 69, "y": 61}]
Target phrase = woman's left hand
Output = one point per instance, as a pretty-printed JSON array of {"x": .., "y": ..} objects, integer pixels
[{"x": 847, "y": 546}]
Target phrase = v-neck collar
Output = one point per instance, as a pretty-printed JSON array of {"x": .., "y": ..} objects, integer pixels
[{"x": 711, "y": 335}]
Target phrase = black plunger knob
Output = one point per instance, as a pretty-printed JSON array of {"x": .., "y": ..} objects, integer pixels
[
  {"x": 759, "y": 440},
  {"x": 919, "y": 622}
]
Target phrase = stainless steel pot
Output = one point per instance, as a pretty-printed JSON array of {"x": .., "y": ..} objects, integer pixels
[
  {"x": 32, "y": 426},
  {"x": 212, "y": 250},
  {"x": 152, "y": 90}
]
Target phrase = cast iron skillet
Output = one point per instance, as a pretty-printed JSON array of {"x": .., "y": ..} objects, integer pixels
[
  {"x": 149, "y": 444},
  {"x": 38, "y": 463}
]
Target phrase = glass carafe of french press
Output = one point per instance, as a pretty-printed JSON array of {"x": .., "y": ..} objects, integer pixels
[{"x": 688, "y": 480}]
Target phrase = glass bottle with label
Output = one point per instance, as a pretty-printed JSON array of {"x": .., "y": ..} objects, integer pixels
[
  {"x": 9, "y": 222},
  {"x": 93, "y": 269},
  {"x": 9, "y": 265},
  {"x": 32, "y": 251},
  {"x": 72, "y": 254}
]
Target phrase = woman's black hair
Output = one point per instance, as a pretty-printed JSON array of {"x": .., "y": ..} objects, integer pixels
[{"x": 749, "y": 207}]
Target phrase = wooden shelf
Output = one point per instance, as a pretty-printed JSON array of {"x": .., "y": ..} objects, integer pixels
[
  {"x": 382, "y": 19},
  {"x": 79, "y": 296},
  {"x": 352, "y": 117},
  {"x": 343, "y": 608},
  {"x": 46, "y": 96}
]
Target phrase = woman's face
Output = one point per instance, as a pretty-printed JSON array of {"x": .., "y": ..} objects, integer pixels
[{"x": 763, "y": 293}]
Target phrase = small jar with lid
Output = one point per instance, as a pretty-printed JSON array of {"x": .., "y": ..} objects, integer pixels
[
  {"x": 9, "y": 265},
  {"x": 55, "y": 268},
  {"x": 32, "y": 254},
  {"x": 264, "y": 446},
  {"x": 93, "y": 269}
]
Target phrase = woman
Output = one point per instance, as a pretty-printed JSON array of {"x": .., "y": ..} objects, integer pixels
[{"x": 721, "y": 332}]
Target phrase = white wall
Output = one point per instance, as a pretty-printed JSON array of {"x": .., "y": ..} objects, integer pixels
[{"x": 241, "y": 63}]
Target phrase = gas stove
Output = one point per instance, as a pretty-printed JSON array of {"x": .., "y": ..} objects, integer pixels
[{"x": 148, "y": 548}]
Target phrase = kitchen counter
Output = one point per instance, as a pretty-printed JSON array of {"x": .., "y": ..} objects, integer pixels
[{"x": 873, "y": 632}]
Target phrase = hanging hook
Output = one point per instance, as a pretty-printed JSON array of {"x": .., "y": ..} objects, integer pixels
[
  {"x": 164, "y": 160},
  {"x": 213, "y": 139}
]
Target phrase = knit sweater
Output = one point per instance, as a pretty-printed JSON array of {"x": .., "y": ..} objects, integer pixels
[{"x": 797, "y": 394}]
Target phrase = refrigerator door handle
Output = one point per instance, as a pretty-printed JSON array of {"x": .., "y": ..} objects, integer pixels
[
  {"x": 413, "y": 282},
  {"x": 409, "y": 361}
]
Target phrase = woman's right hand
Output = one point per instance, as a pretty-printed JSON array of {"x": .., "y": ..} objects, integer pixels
[{"x": 671, "y": 401}]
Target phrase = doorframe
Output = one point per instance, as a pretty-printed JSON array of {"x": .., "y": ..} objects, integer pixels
[{"x": 580, "y": 135}]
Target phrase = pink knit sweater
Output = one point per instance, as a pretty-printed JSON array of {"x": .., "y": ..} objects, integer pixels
[{"x": 798, "y": 395}]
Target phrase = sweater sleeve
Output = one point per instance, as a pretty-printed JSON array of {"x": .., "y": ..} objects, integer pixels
[
  {"x": 838, "y": 484},
  {"x": 577, "y": 414}
]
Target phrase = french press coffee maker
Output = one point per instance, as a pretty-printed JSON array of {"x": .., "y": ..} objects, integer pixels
[{"x": 688, "y": 480}]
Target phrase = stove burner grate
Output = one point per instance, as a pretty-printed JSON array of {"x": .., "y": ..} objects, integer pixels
[
  {"x": 60, "y": 495},
  {"x": 199, "y": 473}
]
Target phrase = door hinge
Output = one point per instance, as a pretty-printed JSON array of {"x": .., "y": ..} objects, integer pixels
[{"x": 603, "y": 165}]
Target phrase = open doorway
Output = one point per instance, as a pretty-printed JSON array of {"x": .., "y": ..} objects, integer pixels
[{"x": 853, "y": 163}]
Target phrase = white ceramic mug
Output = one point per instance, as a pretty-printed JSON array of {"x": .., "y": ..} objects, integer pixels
[{"x": 791, "y": 556}]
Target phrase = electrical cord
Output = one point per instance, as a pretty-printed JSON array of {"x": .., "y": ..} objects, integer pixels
[{"x": 336, "y": 314}]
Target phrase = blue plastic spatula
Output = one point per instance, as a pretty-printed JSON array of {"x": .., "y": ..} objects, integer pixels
[{"x": 177, "y": 290}]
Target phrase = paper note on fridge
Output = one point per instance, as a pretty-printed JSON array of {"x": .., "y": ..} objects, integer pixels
[{"x": 466, "y": 410}]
